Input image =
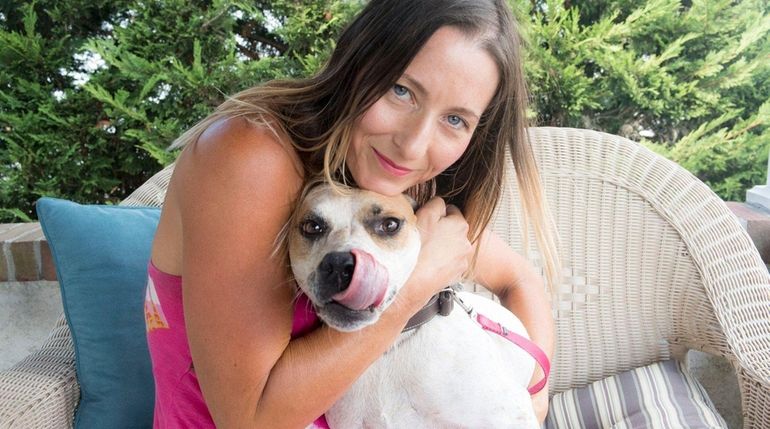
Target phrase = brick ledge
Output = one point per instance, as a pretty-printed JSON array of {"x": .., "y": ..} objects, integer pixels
[{"x": 25, "y": 254}]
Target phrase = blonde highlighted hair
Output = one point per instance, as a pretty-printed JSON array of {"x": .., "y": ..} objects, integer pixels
[{"x": 317, "y": 114}]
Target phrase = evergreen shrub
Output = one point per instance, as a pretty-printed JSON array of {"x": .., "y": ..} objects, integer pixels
[{"x": 689, "y": 79}]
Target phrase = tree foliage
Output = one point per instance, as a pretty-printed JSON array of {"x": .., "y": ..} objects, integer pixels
[
  {"x": 92, "y": 92},
  {"x": 691, "y": 79}
]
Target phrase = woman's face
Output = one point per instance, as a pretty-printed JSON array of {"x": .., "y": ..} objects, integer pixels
[{"x": 424, "y": 123}]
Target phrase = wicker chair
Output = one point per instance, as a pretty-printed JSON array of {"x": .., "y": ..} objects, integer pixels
[{"x": 654, "y": 264}]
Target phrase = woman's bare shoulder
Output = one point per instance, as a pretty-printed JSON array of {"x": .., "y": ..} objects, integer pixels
[
  {"x": 236, "y": 152},
  {"x": 241, "y": 140},
  {"x": 235, "y": 167}
]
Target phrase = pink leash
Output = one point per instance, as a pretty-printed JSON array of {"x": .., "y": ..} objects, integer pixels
[{"x": 528, "y": 346}]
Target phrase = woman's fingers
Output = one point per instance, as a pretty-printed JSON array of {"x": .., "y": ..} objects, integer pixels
[
  {"x": 452, "y": 209},
  {"x": 446, "y": 250},
  {"x": 435, "y": 209}
]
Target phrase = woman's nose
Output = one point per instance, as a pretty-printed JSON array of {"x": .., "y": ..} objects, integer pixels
[{"x": 415, "y": 137}]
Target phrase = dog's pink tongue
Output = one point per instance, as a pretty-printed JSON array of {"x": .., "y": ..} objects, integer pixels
[{"x": 367, "y": 286}]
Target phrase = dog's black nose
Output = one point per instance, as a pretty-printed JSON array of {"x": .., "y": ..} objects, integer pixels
[{"x": 336, "y": 270}]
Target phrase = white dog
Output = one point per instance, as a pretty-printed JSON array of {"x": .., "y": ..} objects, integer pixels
[{"x": 350, "y": 254}]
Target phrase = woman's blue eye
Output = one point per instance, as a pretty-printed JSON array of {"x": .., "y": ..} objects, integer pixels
[
  {"x": 400, "y": 91},
  {"x": 455, "y": 120}
]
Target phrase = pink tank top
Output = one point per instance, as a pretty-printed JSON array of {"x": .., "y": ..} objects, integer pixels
[{"x": 179, "y": 401}]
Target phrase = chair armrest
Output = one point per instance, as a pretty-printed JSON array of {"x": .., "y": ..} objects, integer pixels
[
  {"x": 42, "y": 390},
  {"x": 742, "y": 309},
  {"x": 755, "y": 395},
  {"x": 737, "y": 288},
  {"x": 741, "y": 303},
  {"x": 653, "y": 262}
]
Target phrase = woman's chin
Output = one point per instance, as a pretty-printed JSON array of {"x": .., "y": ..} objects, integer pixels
[{"x": 383, "y": 187}]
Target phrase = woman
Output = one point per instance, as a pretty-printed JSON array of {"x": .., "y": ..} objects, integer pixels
[{"x": 418, "y": 96}]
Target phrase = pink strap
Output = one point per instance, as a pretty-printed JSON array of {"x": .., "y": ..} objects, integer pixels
[{"x": 524, "y": 343}]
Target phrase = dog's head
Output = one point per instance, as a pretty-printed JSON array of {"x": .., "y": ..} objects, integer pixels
[{"x": 351, "y": 252}]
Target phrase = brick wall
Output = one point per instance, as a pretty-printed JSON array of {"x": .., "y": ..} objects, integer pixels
[{"x": 25, "y": 253}]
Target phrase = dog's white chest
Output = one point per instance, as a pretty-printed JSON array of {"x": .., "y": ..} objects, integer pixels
[{"x": 448, "y": 373}]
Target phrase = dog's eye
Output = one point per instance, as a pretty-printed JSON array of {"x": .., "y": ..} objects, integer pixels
[
  {"x": 390, "y": 226},
  {"x": 312, "y": 229}
]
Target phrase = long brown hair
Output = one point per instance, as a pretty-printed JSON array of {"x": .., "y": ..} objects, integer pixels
[{"x": 318, "y": 114}]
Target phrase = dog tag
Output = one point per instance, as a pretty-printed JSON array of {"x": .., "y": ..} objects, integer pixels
[{"x": 446, "y": 302}]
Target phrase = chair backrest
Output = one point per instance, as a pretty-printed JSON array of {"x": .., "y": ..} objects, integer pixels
[
  {"x": 152, "y": 192},
  {"x": 638, "y": 234}
]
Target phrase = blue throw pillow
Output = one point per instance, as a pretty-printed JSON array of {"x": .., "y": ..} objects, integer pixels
[{"x": 101, "y": 255}]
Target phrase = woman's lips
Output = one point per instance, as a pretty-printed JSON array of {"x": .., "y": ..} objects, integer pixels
[{"x": 391, "y": 166}]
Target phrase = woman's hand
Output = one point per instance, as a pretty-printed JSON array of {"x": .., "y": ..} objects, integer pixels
[{"x": 446, "y": 250}]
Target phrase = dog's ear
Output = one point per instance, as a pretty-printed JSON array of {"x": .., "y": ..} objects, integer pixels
[{"x": 412, "y": 201}]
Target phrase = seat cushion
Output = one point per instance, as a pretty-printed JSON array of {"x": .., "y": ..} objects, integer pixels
[
  {"x": 101, "y": 255},
  {"x": 661, "y": 395}
]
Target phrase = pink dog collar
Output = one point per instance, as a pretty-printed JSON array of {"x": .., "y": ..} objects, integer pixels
[{"x": 524, "y": 343}]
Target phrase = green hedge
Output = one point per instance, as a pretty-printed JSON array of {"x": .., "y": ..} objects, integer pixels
[{"x": 92, "y": 92}]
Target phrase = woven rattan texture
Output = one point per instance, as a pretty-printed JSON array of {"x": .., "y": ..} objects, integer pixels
[
  {"x": 153, "y": 192},
  {"x": 41, "y": 391},
  {"x": 653, "y": 262}
]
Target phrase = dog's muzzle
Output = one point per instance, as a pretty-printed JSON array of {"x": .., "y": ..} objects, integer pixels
[
  {"x": 335, "y": 271},
  {"x": 353, "y": 279}
]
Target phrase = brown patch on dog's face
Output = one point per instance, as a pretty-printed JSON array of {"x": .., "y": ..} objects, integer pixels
[{"x": 385, "y": 217}]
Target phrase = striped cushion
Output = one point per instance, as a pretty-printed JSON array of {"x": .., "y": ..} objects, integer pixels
[{"x": 661, "y": 395}]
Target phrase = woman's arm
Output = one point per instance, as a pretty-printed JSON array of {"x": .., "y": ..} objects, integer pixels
[
  {"x": 521, "y": 290},
  {"x": 234, "y": 189}
]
